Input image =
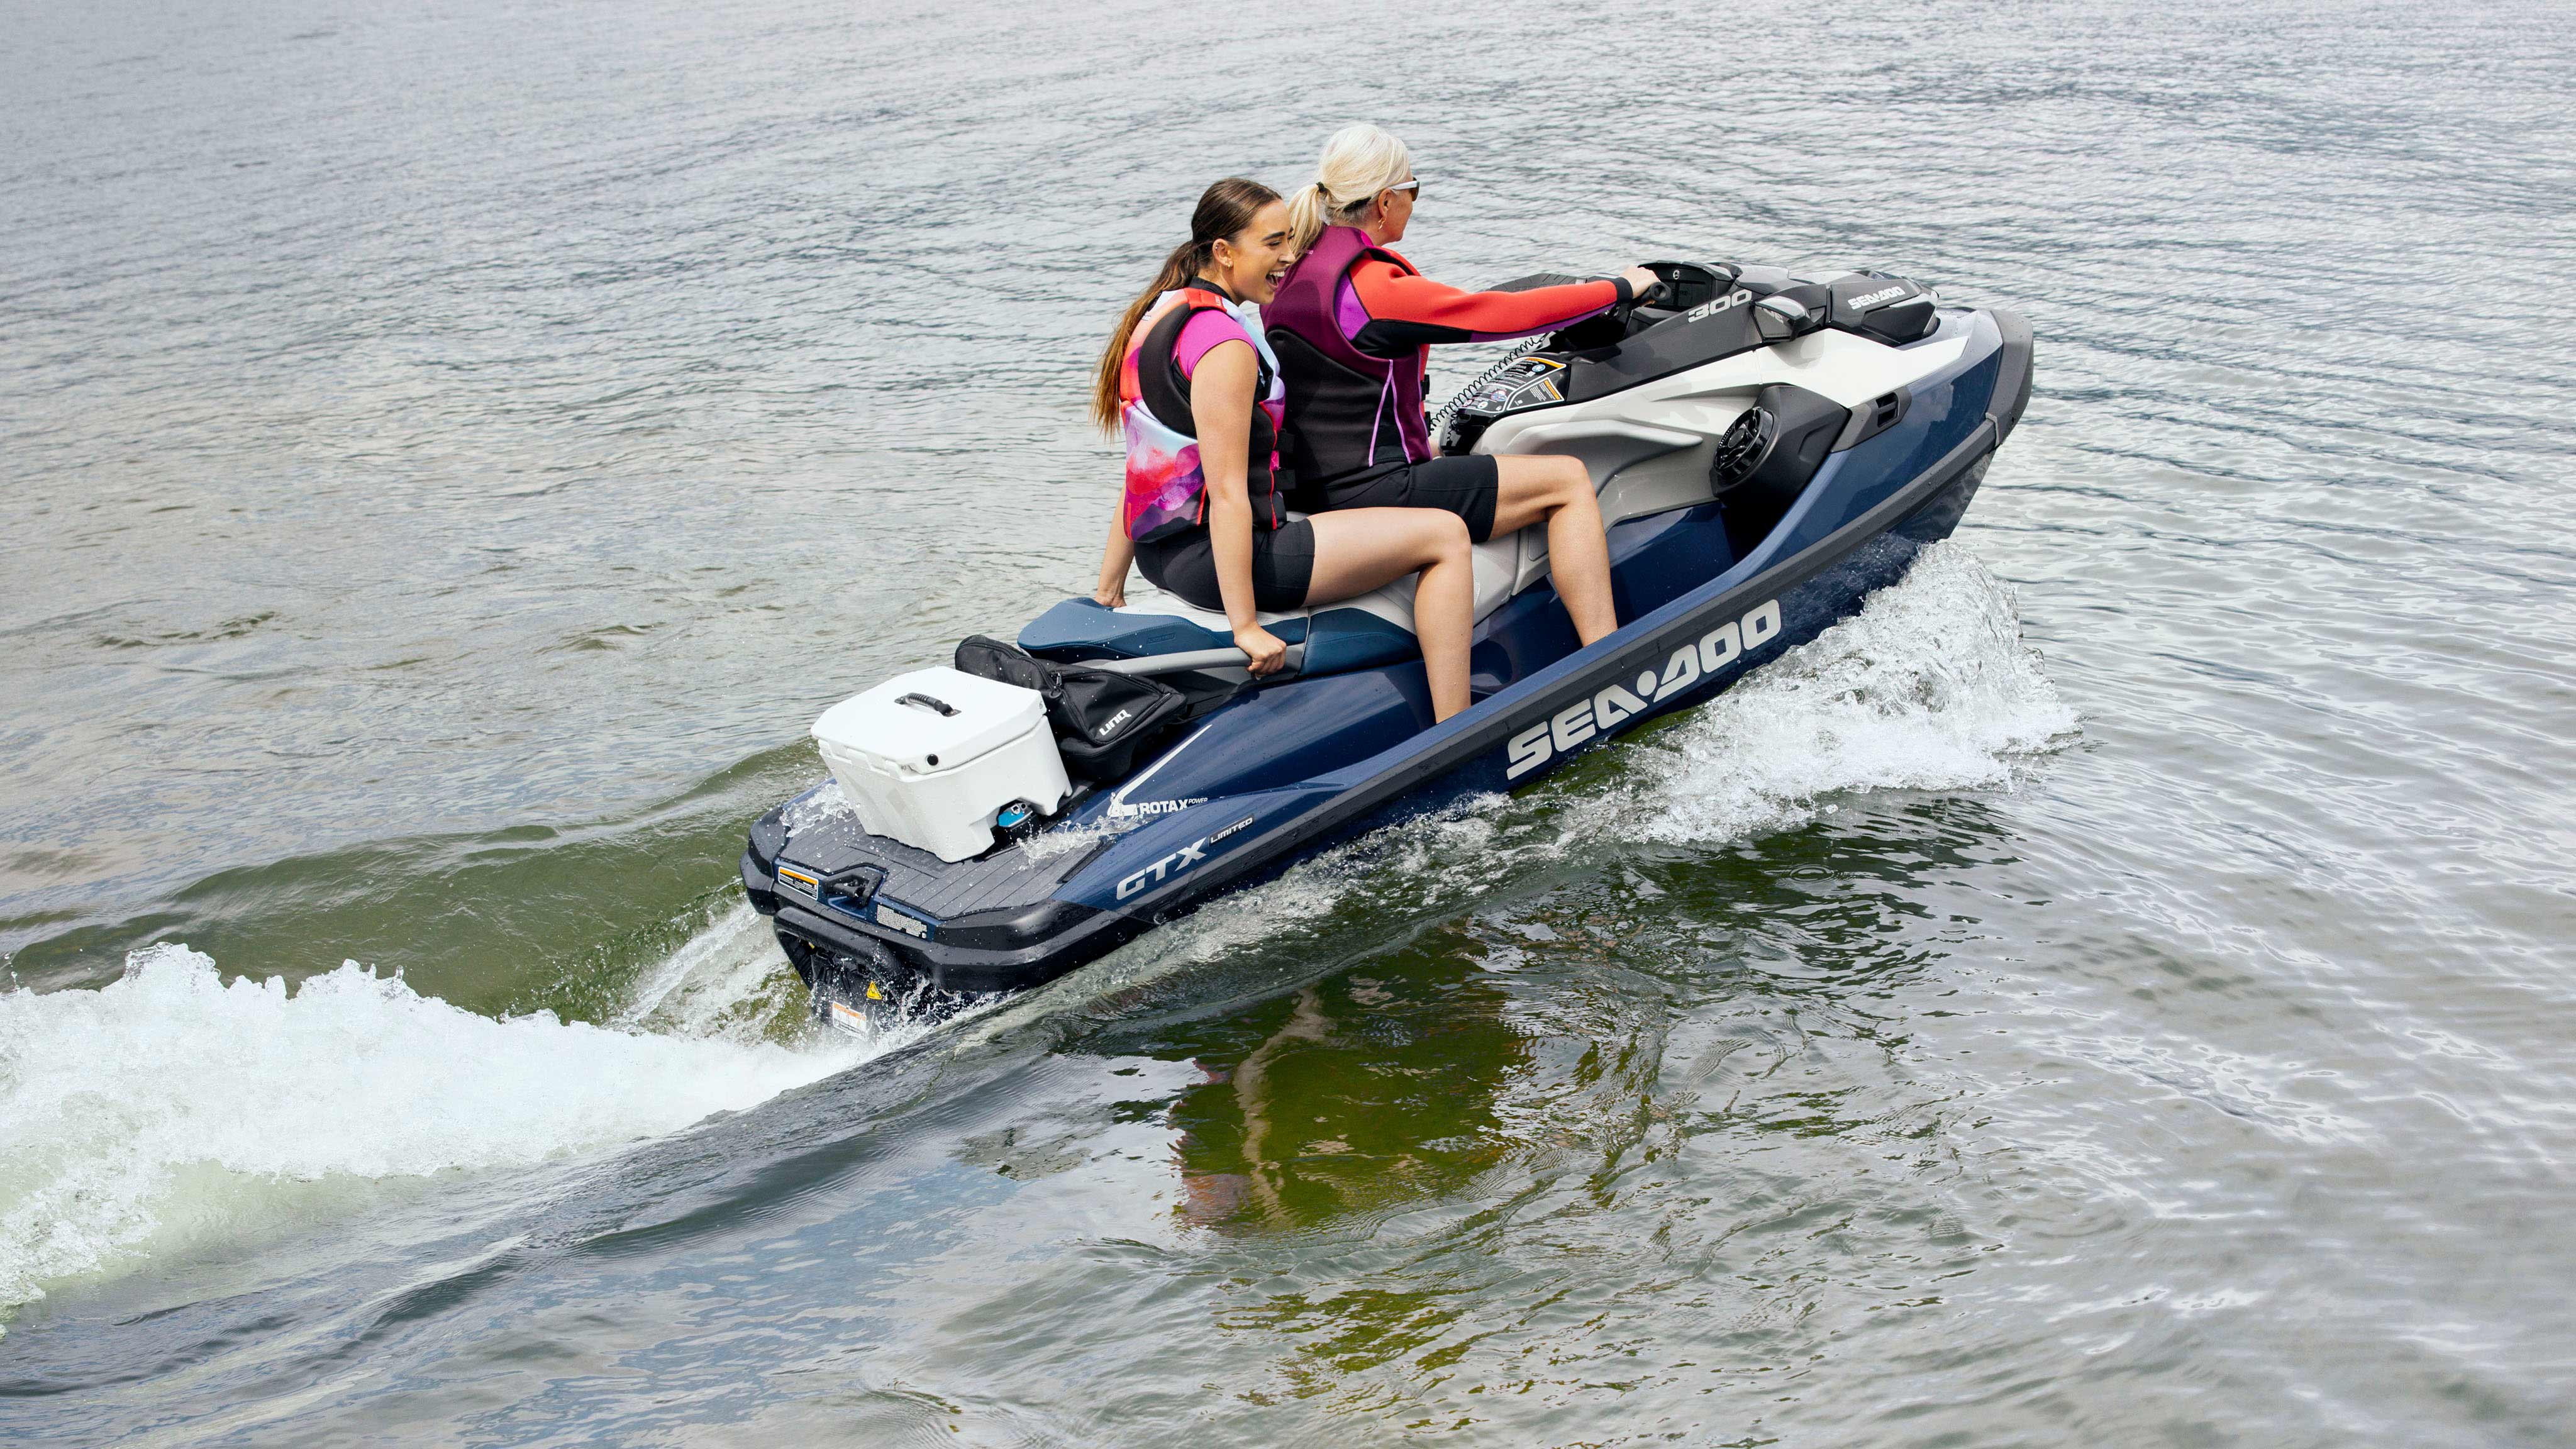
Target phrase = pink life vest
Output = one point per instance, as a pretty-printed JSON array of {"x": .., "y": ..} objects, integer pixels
[{"x": 1166, "y": 487}]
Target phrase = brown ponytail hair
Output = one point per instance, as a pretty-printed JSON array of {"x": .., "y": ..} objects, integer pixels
[{"x": 1223, "y": 210}]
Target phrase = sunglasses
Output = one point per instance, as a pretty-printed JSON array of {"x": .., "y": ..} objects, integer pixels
[{"x": 1414, "y": 186}]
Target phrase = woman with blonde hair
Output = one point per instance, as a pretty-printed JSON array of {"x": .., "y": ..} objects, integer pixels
[
  {"x": 1189, "y": 378},
  {"x": 1353, "y": 324}
]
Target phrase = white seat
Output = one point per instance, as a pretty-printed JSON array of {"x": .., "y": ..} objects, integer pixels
[
  {"x": 1498, "y": 568},
  {"x": 1147, "y": 599}
]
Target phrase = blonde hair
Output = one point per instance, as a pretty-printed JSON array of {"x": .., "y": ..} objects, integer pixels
[{"x": 1359, "y": 161}]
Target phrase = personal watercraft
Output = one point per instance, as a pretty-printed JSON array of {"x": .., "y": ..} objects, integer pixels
[{"x": 1768, "y": 450}]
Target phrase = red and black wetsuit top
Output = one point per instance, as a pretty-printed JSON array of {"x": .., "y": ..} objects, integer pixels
[{"x": 1353, "y": 326}]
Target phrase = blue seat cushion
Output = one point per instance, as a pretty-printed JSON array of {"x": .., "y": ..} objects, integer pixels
[{"x": 1335, "y": 639}]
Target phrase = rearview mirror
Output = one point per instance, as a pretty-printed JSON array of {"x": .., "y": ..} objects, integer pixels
[{"x": 1778, "y": 319}]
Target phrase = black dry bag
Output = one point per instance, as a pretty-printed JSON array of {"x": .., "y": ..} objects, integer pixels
[{"x": 1103, "y": 721}]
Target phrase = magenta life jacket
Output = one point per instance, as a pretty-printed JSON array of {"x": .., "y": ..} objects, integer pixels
[{"x": 1340, "y": 399}]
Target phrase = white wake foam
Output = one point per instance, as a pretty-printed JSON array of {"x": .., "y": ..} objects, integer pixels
[
  {"x": 727, "y": 980},
  {"x": 119, "y": 1106},
  {"x": 1929, "y": 687}
]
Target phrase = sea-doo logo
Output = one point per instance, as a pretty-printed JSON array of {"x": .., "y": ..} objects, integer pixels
[
  {"x": 1609, "y": 708},
  {"x": 1736, "y": 298},
  {"x": 799, "y": 882},
  {"x": 1888, "y": 294},
  {"x": 1170, "y": 865}
]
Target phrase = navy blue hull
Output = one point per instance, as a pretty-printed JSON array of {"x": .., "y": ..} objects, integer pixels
[
  {"x": 1807, "y": 612},
  {"x": 1292, "y": 770}
]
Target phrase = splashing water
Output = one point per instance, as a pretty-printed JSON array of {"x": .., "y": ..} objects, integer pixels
[
  {"x": 826, "y": 804},
  {"x": 119, "y": 1105},
  {"x": 726, "y": 981},
  {"x": 821, "y": 806},
  {"x": 1065, "y": 839},
  {"x": 1929, "y": 687}
]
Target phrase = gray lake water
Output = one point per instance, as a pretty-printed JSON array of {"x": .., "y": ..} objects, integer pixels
[{"x": 2115, "y": 991}]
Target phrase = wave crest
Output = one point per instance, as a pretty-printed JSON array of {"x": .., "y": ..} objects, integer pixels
[{"x": 118, "y": 1105}]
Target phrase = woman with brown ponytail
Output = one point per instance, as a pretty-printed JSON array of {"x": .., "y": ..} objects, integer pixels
[{"x": 1190, "y": 379}]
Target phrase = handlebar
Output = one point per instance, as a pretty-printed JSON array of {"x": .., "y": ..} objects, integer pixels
[{"x": 1193, "y": 659}]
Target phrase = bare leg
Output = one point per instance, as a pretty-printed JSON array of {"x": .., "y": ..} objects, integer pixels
[
  {"x": 1578, "y": 555},
  {"x": 1359, "y": 549}
]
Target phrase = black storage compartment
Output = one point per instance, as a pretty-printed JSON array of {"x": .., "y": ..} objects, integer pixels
[{"x": 1882, "y": 308}]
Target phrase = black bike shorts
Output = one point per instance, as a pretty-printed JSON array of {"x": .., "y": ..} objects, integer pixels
[
  {"x": 1283, "y": 564},
  {"x": 1465, "y": 486}
]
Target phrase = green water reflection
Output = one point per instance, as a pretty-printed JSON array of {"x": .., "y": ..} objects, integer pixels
[
  {"x": 1540, "y": 1020},
  {"x": 1377, "y": 1086},
  {"x": 1682, "y": 1069}
]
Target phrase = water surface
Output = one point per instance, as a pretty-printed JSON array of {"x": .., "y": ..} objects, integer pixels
[{"x": 2116, "y": 990}]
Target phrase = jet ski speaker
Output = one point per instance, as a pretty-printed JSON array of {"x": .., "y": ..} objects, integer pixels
[
  {"x": 1769, "y": 456},
  {"x": 1742, "y": 451},
  {"x": 1777, "y": 445}
]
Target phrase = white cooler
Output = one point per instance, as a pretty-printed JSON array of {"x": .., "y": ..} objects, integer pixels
[{"x": 929, "y": 757}]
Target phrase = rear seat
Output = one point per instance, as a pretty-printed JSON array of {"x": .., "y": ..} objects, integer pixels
[
  {"x": 1640, "y": 469},
  {"x": 1356, "y": 633}
]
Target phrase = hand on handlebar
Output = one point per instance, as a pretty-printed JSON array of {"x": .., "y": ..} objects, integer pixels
[
  {"x": 1641, "y": 282},
  {"x": 1268, "y": 654}
]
